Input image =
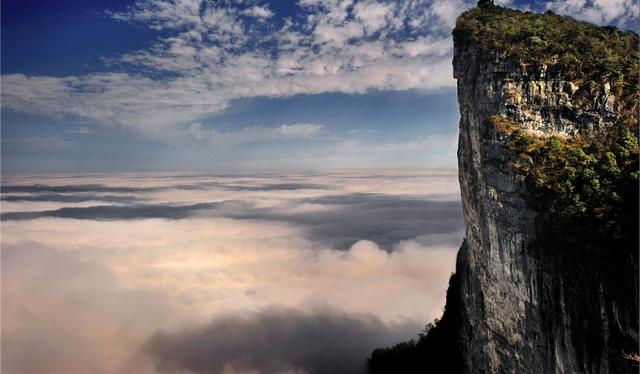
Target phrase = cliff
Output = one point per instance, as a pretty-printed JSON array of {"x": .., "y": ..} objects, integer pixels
[
  {"x": 548, "y": 165},
  {"x": 529, "y": 305}
]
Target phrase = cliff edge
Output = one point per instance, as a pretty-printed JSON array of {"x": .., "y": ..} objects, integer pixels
[{"x": 547, "y": 279}]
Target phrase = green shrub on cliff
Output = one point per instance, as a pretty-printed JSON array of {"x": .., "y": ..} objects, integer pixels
[{"x": 591, "y": 180}]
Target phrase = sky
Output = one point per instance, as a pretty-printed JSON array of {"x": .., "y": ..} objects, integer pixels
[
  {"x": 165, "y": 85},
  {"x": 231, "y": 186}
]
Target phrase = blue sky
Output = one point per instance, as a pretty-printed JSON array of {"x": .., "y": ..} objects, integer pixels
[{"x": 155, "y": 85}]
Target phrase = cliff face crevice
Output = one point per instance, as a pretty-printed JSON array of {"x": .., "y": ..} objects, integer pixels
[{"x": 527, "y": 308}]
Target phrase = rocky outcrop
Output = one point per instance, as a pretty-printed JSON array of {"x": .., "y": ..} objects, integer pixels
[{"x": 525, "y": 310}]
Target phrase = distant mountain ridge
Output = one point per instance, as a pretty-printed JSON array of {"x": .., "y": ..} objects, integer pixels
[{"x": 547, "y": 278}]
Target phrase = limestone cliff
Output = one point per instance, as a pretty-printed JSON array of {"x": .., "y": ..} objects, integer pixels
[
  {"x": 547, "y": 278},
  {"x": 524, "y": 308}
]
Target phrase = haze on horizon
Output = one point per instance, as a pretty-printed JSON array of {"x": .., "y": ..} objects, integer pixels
[{"x": 229, "y": 186}]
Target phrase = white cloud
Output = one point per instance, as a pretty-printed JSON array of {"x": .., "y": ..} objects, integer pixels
[
  {"x": 373, "y": 15},
  {"x": 448, "y": 10},
  {"x": 259, "y": 11},
  {"x": 427, "y": 46},
  {"x": 208, "y": 65},
  {"x": 623, "y": 13},
  {"x": 326, "y": 32},
  {"x": 163, "y": 14}
]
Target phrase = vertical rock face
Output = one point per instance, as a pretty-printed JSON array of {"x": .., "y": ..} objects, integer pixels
[
  {"x": 547, "y": 278},
  {"x": 525, "y": 311}
]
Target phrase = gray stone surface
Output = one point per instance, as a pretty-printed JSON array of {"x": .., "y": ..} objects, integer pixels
[{"x": 516, "y": 315}]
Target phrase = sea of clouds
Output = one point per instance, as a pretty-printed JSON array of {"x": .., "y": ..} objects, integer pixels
[{"x": 274, "y": 272}]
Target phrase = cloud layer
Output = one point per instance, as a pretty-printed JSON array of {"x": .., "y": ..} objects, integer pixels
[
  {"x": 207, "y": 291},
  {"x": 337, "y": 220}
]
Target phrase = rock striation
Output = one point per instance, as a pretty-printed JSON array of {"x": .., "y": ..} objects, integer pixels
[{"x": 524, "y": 310}]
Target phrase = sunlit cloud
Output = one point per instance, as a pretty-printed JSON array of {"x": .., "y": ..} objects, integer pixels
[{"x": 140, "y": 294}]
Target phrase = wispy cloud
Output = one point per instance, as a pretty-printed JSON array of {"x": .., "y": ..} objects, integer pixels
[
  {"x": 250, "y": 134},
  {"x": 217, "y": 52},
  {"x": 623, "y": 13},
  {"x": 210, "y": 53},
  {"x": 259, "y": 11},
  {"x": 305, "y": 129}
]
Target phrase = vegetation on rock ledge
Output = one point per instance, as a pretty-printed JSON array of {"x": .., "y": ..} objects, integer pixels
[
  {"x": 588, "y": 181},
  {"x": 590, "y": 178},
  {"x": 585, "y": 54}
]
